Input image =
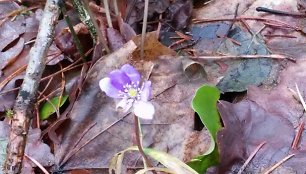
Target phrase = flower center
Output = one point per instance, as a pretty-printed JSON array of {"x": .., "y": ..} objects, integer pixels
[{"x": 132, "y": 92}]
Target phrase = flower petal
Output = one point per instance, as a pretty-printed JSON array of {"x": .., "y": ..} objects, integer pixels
[
  {"x": 119, "y": 79},
  {"x": 130, "y": 71},
  {"x": 146, "y": 91},
  {"x": 124, "y": 104},
  {"x": 108, "y": 88},
  {"x": 144, "y": 109}
]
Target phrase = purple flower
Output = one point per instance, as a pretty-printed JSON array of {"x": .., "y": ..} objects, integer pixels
[{"x": 124, "y": 84}]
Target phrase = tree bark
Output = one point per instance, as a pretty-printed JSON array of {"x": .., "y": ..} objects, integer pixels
[{"x": 26, "y": 97}]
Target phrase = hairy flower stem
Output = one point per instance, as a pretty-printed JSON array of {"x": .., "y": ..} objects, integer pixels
[
  {"x": 144, "y": 28},
  {"x": 116, "y": 7},
  {"x": 138, "y": 136},
  {"x": 107, "y": 12}
]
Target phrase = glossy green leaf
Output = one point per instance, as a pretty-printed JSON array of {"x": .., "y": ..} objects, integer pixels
[
  {"x": 205, "y": 104},
  {"x": 47, "y": 108}
]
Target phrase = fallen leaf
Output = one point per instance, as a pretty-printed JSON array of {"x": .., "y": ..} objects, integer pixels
[
  {"x": 246, "y": 72},
  {"x": 246, "y": 125},
  {"x": 38, "y": 150},
  {"x": 54, "y": 55},
  {"x": 193, "y": 70},
  {"x": 152, "y": 48},
  {"x": 11, "y": 54},
  {"x": 5, "y": 41},
  {"x": 7, "y": 100},
  {"x": 35, "y": 148},
  {"x": 170, "y": 162},
  {"x": 7, "y": 7},
  {"x": 126, "y": 30},
  {"x": 115, "y": 39},
  {"x": 179, "y": 13},
  {"x": 284, "y": 104}
]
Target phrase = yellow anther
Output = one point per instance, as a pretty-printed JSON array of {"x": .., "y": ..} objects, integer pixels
[{"x": 132, "y": 92}]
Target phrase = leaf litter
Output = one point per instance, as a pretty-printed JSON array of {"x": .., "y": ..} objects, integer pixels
[
  {"x": 269, "y": 113},
  {"x": 35, "y": 148},
  {"x": 174, "y": 82}
]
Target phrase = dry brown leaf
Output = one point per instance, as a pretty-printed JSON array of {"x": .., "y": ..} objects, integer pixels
[{"x": 152, "y": 48}]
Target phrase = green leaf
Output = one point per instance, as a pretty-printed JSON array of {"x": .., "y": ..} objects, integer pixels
[
  {"x": 205, "y": 104},
  {"x": 48, "y": 109}
]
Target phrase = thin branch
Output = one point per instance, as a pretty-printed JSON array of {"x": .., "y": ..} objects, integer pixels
[
  {"x": 46, "y": 87},
  {"x": 63, "y": 83},
  {"x": 37, "y": 163},
  {"x": 107, "y": 12},
  {"x": 279, "y": 12},
  {"x": 250, "y": 158},
  {"x": 298, "y": 136},
  {"x": 144, "y": 28},
  {"x": 297, "y": 28},
  {"x": 24, "y": 104},
  {"x": 279, "y": 163},
  {"x": 271, "y": 56}
]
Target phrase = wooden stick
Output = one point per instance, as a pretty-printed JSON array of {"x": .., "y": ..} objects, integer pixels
[
  {"x": 279, "y": 163},
  {"x": 250, "y": 158},
  {"x": 298, "y": 136},
  {"x": 271, "y": 56},
  {"x": 196, "y": 21},
  {"x": 24, "y": 104}
]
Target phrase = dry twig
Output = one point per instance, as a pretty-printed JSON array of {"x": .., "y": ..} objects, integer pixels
[
  {"x": 279, "y": 163},
  {"x": 250, "y": 158},
  {"x": 298, "y": 136},
  {"x": 270, "y": 56}
]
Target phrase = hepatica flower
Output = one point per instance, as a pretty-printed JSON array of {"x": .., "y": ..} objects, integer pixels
[{"x": 125, "y": 84}]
